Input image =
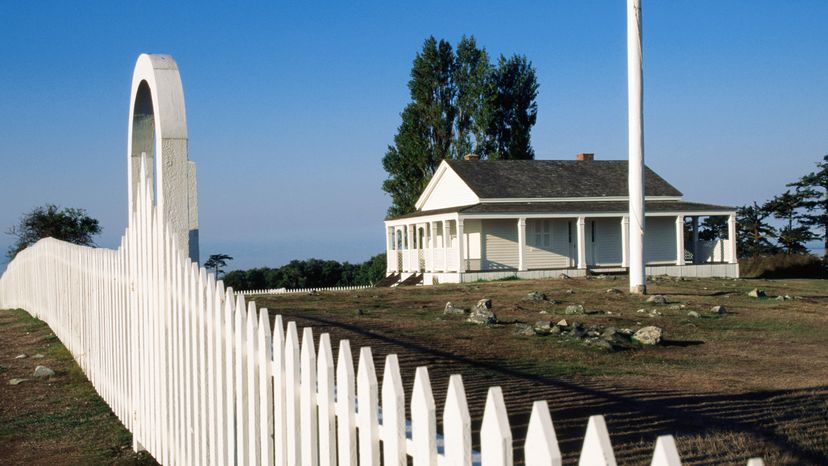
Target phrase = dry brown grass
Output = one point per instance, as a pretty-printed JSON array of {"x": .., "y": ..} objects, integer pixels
[{"x": 749, "y": 383}]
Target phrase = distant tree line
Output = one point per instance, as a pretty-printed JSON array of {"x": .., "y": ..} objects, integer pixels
[
  {"x": 461, "y": 103},
  {"x": 801, "y": 215},
  {"x": 311, "y": 273}
]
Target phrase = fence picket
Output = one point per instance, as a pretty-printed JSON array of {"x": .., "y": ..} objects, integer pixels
[
  {"x": 307, "y": 401},
  {"x": 345, "y": 406},
  {"x": 456, "y": 424},
  {"x": 666, "y": 453},
  {"x": 541, "y": 447},
  {"x": 597, "y": 449},
  {"x": 393, "y": 414},
  {"x": 279, "y": 411},
  {"x": 495, "y": 433},
  {"x": 325, "y": 402},
  {"x": 265, "y": 389},
  {"x": 292, "y": 389},
  {"x": 367, "y": 404},
  {"x": 252, "y": 357},
  {"x": 423, "y": 420}
]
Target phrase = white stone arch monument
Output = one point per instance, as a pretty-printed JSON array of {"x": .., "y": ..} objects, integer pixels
[{"x": 158, "y": 127}]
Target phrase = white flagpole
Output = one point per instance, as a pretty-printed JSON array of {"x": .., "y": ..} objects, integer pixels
[{"x": 636, "y": 146}]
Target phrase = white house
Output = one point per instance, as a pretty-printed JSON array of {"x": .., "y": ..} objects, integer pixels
[{"x": 540, "y": 218}]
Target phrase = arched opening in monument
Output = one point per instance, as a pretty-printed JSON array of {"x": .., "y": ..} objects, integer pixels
[{"x": 143, "y": 139}]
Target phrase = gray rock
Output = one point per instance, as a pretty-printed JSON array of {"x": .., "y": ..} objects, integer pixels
[
  {"x": 626, "y": 331},
  {"x": 757, "y": 293},
  {"x": 593, "y": 312},
  {"x": 20, "y": 356},
  {"x": 555, "y": 330},
  {"x": 654, "y": 313},
  {"x": 451, "y": 310},
  {"x": 38, "y": 356},
  {"x": 17, "y": 381},
  {"x": 641, "y": 311},
  {"x": 601, "y": 344},
  {"x": 720, "y": 310},
  {"x": 570, "y": 291},
  {"x": 564, "y": 276},
  {"x": 360, "y": 312},
  {"x": 543, "y": 312},
  {"x": 543, "y": 326},
  {"x": 562, "y": 323},
  {"x": 676, "y": 307},
  {"x": 657, "y": 299},
  {"x": 574, "y": 309},
  {"x": 593, "y": 333},
  {"x": 535, "y": 296},
  {"x": 609, "y": 332},
  {"x": 614, "y": 291},
  {"x": 693, "y": 314},
  {"x": 650, "y": 335},
  {"x": 482, "y": 313},
  {"x": 524, "y": 329},
  {"x": 484, "y": 303},
  {"x": 43, "y": 371}
]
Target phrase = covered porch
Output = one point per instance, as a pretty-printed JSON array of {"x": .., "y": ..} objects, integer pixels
[{"x": 465, "y": 245}]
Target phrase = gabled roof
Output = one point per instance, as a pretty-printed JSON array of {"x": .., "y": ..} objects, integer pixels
[{"x": 551, "y": 179}]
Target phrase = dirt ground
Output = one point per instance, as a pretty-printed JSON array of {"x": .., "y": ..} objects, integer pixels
[
  {"x": 751, "y": 383},
  {"x": 59, "y": 420}
]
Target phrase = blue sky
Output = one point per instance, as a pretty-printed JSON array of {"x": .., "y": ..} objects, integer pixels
[{"x": 291, "y": 106}]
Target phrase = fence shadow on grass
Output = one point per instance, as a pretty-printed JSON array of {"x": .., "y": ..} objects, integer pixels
[{"x": 792, "y": 423}]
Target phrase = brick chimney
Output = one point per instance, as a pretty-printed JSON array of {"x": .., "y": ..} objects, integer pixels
[
  {"x": 471, "y": 157},
  {"x": 584, "y": 156}
]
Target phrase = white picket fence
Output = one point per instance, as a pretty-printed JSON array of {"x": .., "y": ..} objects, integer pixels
[
  {"x": 301, "y": 290},
  {"x": 200, "y": 376}
]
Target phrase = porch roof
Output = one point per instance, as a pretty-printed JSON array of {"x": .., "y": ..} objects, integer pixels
[{"x": 580, "y": 207}]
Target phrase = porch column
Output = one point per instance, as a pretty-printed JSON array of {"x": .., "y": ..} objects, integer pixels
[
  {"x": 388, "y": 250},
  {"x": 581, "y": 242},
  {"x": 731, "y": 235},
  {"x": 625, "y": 241},
  {"x": 696, "y": 239},
  {"x": 680, "y": 240},
  {"x": 409, "y": 229},
  {"x": 432, "y": 240},
  {"x": 522, "y": 244},
  {"x": 445, "y": 245},
  {"x": 461, "y": 254}
]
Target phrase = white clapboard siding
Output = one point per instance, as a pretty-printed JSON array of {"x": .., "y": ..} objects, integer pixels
[{"x": 199, "y": 375}]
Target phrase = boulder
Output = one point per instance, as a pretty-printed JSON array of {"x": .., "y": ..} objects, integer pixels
[
  {"x": 657, "y": 299},
  {"x": 484, "y": 303},
  {"x": 535, "y": 296},
  {"x": 574, "y": 309},
  {"x": 720, "y": 310},
  {"x": 693, "y": 314},
  {"x": 43, "y": 371},
  {"x": 757, "y": 293},
  {"x": 451, "y": 310},
  {"x": 562, "y": 323},
  {"x": 650, "y": 335},
  {"x": 555, "y": 330}
]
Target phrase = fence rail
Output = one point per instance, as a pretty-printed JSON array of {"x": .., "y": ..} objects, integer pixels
[{"x": 302, "y": 290}]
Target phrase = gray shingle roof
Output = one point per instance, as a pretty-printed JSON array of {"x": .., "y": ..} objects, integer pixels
[
  {"x": 528, "y": 179},
  {"x": 580, "y": 207}
]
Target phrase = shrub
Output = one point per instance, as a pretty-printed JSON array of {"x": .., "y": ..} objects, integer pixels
[{"x": 783, "y": 266}]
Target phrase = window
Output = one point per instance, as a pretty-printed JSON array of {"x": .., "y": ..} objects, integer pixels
[{"x": 542, "y": 233}]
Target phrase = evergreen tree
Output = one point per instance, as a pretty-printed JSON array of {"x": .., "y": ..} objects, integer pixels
[
  {"x": 515, "y": 110},
  {"x": 813, "y": 188},
  {"x": 794, "y": 234},
  {"x": 753, "y": 233}
]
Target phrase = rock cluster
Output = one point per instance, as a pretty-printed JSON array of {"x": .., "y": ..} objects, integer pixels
[
  {"x": 482, "y": 313},
  {"x": 600, "y": 336}
]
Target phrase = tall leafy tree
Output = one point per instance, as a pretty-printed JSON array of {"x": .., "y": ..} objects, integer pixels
[
  {"x": 67, "y": 224},
  {"x": 475, "y": 99},
  {"x": 813, "y": 188},
  {"x": 515, "y": 110},
  {"x": 753, "y": 232},
  {"x": 460, "y": 104},
  {"x": 793, "y": 234},
  {"x": 217, "y": 262}
]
